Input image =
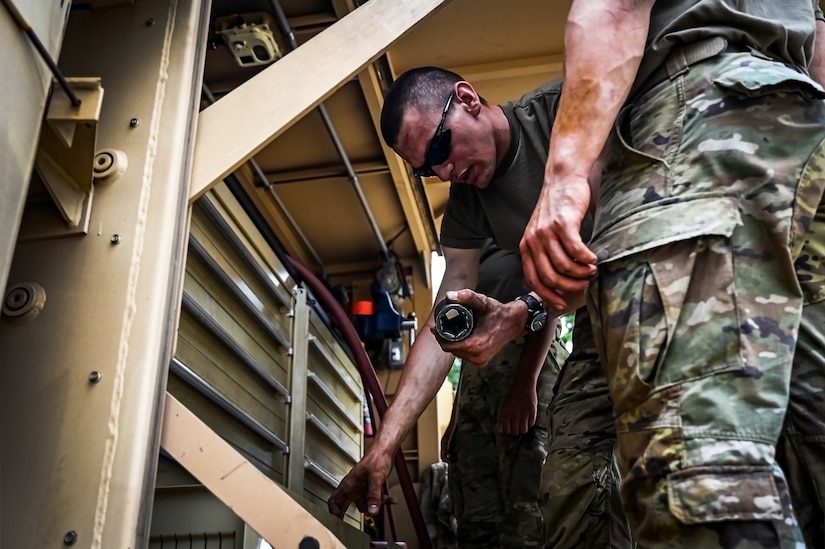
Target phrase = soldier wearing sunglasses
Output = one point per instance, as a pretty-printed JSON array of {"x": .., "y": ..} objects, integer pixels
[{"x": 494, "y": 156}]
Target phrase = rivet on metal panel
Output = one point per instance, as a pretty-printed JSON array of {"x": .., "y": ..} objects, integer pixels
[
  {"x": 24, "y": 301},
  {"x": 70, "y": 538},
  {"x": 115, "y": 239},
  {"x": 134, "y": 122},
  {"x": 150, "y": 22},
  {"x": 95, "y": 376}
]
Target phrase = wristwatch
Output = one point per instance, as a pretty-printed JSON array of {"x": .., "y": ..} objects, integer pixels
[{"x": 536, "y": 313}]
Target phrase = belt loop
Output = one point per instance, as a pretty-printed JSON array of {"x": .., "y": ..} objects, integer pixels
[
  {"x": 681, "y": 60},
  {"x": 676, "y": 64}
]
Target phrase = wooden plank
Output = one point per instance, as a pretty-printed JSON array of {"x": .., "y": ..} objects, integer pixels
[
  {"x": 233, "y": 129},
  {"x": 237, "y": 483}
]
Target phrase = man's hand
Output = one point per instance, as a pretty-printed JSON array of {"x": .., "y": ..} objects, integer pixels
[
  {"x": 556, "y": 261},
  {"x": 518, "y": 411},
  {"x": 496, "y": 325},
  {"x": 363, "y": 485}
]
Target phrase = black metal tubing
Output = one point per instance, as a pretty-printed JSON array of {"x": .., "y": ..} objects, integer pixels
[{"x": 41, "y": 49}]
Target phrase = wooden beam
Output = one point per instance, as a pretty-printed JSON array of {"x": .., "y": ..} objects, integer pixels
[
  {"x": 236, "y": 482},
  {"x": 242, "y": 122}
]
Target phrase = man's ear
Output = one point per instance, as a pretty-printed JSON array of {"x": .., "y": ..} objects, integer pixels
[{"x": 468, "y": 97}]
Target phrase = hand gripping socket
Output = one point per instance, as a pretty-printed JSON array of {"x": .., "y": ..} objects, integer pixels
[{"x": 453, "y": 321}]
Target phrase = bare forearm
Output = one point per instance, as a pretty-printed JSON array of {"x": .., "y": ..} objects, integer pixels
[
  {"x": 424, "y": 373},
  {"x": 604, "y": 43},
  {"x": 428, "y": 364},
  {"x": 533, "y": 354}
]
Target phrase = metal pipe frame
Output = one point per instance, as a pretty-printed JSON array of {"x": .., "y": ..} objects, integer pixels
[
  {"x": 286, "y": 30},
  {"x": 298, "y": 385}
]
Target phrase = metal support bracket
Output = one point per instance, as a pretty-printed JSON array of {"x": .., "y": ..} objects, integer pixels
[{"x": 65, "y": 157}]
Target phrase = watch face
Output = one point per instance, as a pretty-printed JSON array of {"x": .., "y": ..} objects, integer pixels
[{"x": 538, "y": 322}]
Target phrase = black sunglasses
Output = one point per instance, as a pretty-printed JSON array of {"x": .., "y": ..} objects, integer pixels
[{"x": 438, "y": 149}]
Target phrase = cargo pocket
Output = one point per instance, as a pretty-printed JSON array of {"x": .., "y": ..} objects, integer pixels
[
  {"x": 763, "y": 76},
  {"x": 666, "y": 283},
  {"x": 655, "y": 225},
  {"x": 714, "y": 494}
]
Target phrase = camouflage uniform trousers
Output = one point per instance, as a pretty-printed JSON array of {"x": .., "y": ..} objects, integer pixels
[
  {"x": 494, "y": 479},
  {"x": 801, "y": 448},
  {"x": 581, "y": 503},
  {"x": 709, "y": 191}
]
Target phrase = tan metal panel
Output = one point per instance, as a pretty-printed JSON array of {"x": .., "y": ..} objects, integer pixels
[
  {"x": 235, "y": 334},
  {"x": 78, "y": 455},
  {"x": 20, "y": 120},
  {"x": 218, "y": 305},
  {"x": 235, "y": 382},
  {"x": 234, "y": 288}
]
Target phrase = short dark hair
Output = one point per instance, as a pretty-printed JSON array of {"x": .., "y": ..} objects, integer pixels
[{"x": 425, "y": 88}]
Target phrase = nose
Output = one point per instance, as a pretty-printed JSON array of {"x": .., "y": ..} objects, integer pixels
[{"x": 444, "y": 170}]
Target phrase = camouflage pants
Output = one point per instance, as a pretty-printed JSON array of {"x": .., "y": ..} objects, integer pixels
[
  {"x": 709, "y": 192},
  {"x": 494, "y": 479},
  {"x": 801, "y": 448},
  {"x": 580, "y": 482}
]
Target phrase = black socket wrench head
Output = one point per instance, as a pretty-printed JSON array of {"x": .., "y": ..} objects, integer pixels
[{"x": 453, "y": 321}]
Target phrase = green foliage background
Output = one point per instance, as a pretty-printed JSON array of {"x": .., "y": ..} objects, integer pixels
[{"x": 567, "y": 330}]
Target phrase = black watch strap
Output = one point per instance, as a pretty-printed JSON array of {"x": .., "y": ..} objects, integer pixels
[{"x": 536, "y": 313}]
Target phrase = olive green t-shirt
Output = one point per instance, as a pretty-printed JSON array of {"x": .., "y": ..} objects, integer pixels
[
  {"x": 781, "y": 29},
  {"x": 499, "y": 274},
  {"x": 501, "y": 210}
]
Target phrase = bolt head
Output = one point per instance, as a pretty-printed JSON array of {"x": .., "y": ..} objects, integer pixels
[
  {"x": 23, "y": 301},
  {"x": 70, "y": 538},
  {"x": 94, "y": 377},
  {"x": 103, "y": 161},
  {"x": 115, "y": 239},
  {"x": 134, "y": 122}
]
